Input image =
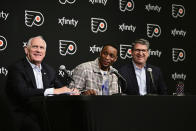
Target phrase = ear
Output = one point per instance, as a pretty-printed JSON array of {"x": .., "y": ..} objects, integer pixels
[{"x": 26, "y": 50}]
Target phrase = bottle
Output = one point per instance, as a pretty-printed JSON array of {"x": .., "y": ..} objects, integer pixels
[{"x": 179, "y": 89}]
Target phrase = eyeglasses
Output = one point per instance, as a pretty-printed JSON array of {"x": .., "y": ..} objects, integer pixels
[{"x": 142, "y": 50}]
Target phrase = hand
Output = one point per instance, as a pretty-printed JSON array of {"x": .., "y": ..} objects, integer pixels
[
  {"x": 62, "y": 90},
  {"x": 89, "y": 92},
  {"x": 75, "y": 91}
]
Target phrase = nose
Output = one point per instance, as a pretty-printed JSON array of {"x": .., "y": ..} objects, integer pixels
[
  {"x": 107, "y": 57},
  {"x": 38, "y": 49},
  {"x": 140, "y": 52}
]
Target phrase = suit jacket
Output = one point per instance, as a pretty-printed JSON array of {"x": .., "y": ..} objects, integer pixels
[
  {"x": 128, "y": 72},
  {"x": 21, "y": 85}
]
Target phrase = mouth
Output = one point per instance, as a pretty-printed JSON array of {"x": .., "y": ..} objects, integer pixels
[
  {"x": 37, "y": 55},
  {"x": 106, "y": 62}
]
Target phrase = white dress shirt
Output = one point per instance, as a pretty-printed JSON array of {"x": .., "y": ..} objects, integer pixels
[
  {"x": 38, "y": 79},
  {"x": 141, "y": 79}
]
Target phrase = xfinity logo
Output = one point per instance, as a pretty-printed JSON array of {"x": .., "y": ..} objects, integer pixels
[
  {"x": 3, "y": 71},
  {"x": 64, "y": 21},
  {"x": 155, "y": 53},
  {"x": 178, "y": 10},
  {"x": 24, "y": 44},
  {"x": 153, "y": 30},
  {"x": 67, "y": 47},
  {"x": 153, "y": 8},
  {"x": 176, "y": 32},
  {"x": 177, "y": 76},
  {"x": 33, "y": 18},
  {"x": 125, "y": 51},
  {"x": 3, "y": 15},
  {"x": 98, "y": 2},
  {"x": 3, "y": 43},
  {"x": 62, "y": 73},
  {"x": 178, "y": 54},
  {"x": 126, "y": 5},
  {"x": 67, "y": 1},
  {"x": 124, "y": 27},
  {"x": 95, "y": 49}
]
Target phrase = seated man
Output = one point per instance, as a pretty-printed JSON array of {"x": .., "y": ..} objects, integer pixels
[
  {"x": 97, "y": 77},
  {"x": 31, "y": 77},
  {"x": 142, "y": 78}
]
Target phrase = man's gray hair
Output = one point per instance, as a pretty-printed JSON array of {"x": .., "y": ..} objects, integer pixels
[
  {"x": 29, "y": 41},
  {"x": 142, "y": 42}
]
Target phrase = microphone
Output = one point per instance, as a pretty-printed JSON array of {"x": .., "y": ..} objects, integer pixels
[
  {"x": 63, "y": 68},
  {"x": 151, "y": 77},
  {"x": 119, "y": 75},
  {"x": 121, "y": 78}
]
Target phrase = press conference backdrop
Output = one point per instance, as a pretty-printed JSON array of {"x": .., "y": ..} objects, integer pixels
[{"x": 75, "y": 31}]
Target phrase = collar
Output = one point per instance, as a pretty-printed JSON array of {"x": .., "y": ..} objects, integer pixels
[
  {"x": 135, "y": 66},
  {"x": 97, "y": 68},
  {"x": 34, "y": 66}
]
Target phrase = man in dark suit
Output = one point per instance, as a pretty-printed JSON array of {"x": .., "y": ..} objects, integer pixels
[
  {"x": 31, "y": 77},
  {"x": 142, "y": 78}
]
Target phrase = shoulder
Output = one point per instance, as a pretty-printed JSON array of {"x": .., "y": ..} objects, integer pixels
[
  {"x": 47, "y": 67},
  {"x": 17, "y": 65},
  {"x": 86, "y": 65}
]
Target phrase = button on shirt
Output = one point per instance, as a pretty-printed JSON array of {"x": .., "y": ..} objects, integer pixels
[{"x": 141, "y": 79}]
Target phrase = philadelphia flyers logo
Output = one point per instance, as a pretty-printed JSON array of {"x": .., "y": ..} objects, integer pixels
[
  {"x": 153, "y": 30},
  {"x": 3, "y": 43},
  {"x": 67, "y": 1},
  {"x": 178, "y": 10},
  {"x": 98, "y": 24},
  {"x": 67, "y": 47},
  {"x": 33, "y": 18},
  {"x": 125, "y": 51},
  {"x": 126, "y": 5},
  {"x": 178, "y": 54}
]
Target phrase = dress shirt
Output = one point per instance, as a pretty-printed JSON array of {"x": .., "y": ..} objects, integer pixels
[
  {"x": 88, "y": 76},
  {"x": 141, "y": 79},
  {"x": 38, "y": 78}
]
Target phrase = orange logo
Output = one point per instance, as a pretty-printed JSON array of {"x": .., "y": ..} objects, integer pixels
[
  {"x": 178, "y": 10},
  {"x": 125, "y": 51},
  {"x": 33, "y": 18},
  {"x": 153, "y": 30},
  {"x": 3, "y": 43},
  {"x": 67, "y": 1},
  {"x": 126, "y": 5},
  {"x": 178, "y": 54},
  {"x": 98, "y": 24},
  {"x": 67, "y": 47}
]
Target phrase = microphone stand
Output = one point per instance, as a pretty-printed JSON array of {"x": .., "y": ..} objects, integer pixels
[
  {"x": 119, "y": 91},
  {"x": 152, "y": 87},
  {"x": 120, "y": 78}
]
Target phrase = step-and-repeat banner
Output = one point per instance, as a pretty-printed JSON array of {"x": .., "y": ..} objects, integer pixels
[{"x": 75, "y": 31}]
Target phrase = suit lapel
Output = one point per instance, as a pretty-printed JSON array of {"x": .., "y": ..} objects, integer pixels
[
  {"x": 133, "y": 77},
  {"x": 44, "y": 77},
  {"x": 30, "y": 72}
]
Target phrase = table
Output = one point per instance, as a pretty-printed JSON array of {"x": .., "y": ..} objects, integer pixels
[{"x": 119, "y": 113}]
